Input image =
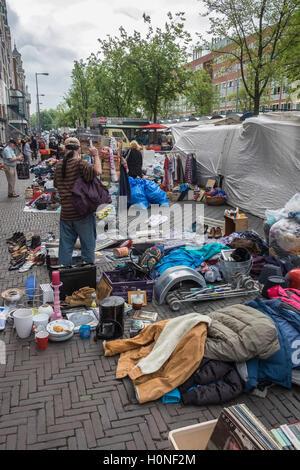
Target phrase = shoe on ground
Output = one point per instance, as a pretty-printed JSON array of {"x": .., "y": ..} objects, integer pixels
[
  {"x": 28, "y": 265},
  {"x": 13, "y": 195},
  {"x": 218, "y": 233},
  {"x": 17, "y": 266},
  {"x": 15, "y": 237},
  {"x": 212, "y": 233},
  {"x": 35, "y": 242}
]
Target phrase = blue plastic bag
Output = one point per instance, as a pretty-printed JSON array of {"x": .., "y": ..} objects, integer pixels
[
  {"x": 154, "y": 194},
  {"x": 138, "y": 196}
]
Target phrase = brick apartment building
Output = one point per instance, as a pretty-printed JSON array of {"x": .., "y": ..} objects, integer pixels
[
  {"x": 14, "y": 96},
  {"x": 227, "y": 83}
]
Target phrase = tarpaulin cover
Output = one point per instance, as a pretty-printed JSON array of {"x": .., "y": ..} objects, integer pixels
[{"x": 259, "y": 159}]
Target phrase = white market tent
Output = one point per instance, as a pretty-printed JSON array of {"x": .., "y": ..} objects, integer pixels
[{"x": 259, "y": 159}]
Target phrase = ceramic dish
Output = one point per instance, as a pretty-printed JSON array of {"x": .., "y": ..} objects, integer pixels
[
  {"x": 65, "y": 324},
  {"x": 80, "y": 319},
  {"x": 62, "y": 338}
]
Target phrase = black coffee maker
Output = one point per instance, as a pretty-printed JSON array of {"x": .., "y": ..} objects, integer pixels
[{"x": 111, "y": 324}]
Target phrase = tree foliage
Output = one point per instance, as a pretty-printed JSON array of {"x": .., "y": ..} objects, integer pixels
[
  {"x": 199, "y": 92},
  {"x": 157, "y": 62},
  {"x": 132, "y": 74},
  {"x": 47, "y": 120},
  {"x": 79, "y": 97},
  {"x": 257, "y": 34}
]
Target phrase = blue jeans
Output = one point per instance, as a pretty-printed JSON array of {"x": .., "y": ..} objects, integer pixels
[{"x": 85, "y": 229}]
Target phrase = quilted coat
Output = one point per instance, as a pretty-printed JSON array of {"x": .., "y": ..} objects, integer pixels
[{"x": 239, "y": 333}]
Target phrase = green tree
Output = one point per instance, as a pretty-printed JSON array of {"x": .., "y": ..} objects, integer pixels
[
  {"x": 47, "y": 120},
  {"x": 157, "y": 62},
  {"x": 257, "y": 37},
  {"x": 199, "y": 92},
  {"x": 113, "y": 80},
  {"x": 290, "y": 60},
  {"x": 79, "y": 96},
  {"x": 65, "y": 116}
]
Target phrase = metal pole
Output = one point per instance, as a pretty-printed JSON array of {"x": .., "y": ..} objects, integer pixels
[{"x": 38, "y": 107}]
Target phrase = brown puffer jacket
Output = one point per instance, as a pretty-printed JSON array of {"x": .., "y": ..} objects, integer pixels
[{"x": 239, "y": 333}]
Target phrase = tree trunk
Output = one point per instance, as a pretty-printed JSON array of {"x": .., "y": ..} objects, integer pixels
[{"x": 256, "y": 95}]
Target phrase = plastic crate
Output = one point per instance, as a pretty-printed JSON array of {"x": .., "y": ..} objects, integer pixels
[{"x": 122, "y": 285}]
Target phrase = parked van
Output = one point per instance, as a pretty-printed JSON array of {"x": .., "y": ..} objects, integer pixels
[{"x": 119, "y": 135}]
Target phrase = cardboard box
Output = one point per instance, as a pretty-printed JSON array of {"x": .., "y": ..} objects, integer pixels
[
  {"x": 235, "y": 225},
  {"x": 194, "y": 437}
]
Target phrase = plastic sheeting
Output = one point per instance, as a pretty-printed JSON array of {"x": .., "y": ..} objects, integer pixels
[{"x": 259, "y": 160}]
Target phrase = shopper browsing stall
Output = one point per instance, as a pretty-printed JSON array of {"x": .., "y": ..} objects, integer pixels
[
  {"x": 73, "y": 225},
  {"x": 134, "y": 160},
  {"x": 10, "y": 162}
]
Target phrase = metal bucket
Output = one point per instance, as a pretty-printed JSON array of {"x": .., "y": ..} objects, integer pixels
[{"x": 231, "y": 268}]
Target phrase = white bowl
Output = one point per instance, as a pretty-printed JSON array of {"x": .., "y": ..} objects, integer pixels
[
  {"x": 41, "y": 319},
  {"x": 46, "y": 309}
]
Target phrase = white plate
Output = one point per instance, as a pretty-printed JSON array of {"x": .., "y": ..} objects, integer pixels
[
  {"x": 60, "y": 339},
  {"x": 66, "y": 324},
  {"x": 79, "y": 320}
]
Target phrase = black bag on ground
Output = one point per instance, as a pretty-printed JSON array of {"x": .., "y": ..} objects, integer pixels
[
  {"x": 23, "y": 171},
  {"x": 75, "y": 277}
]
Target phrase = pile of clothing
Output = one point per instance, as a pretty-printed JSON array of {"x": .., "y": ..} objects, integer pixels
[
  {"x": 82, "y": 297},
  {"x": 209, "y": 359}
]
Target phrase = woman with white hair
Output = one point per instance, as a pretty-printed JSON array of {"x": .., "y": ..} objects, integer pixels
[{"x": 134, "y": 160}]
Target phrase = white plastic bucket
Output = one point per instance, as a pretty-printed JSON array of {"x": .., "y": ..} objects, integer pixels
[{"x": 23, "y": 320}]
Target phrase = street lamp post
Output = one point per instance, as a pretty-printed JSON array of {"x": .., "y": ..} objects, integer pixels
[{"x": 38, "y": 102}]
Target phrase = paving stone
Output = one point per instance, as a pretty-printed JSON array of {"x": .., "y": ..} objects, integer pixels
[{"x": 67, "y": 397}]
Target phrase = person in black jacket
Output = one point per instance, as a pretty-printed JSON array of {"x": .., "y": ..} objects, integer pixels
[
  {"x": 134, "y": 160},
  {"x": 213, "y": 383}
]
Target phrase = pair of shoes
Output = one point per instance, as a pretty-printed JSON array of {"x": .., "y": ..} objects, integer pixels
[
  {"x": 40, "y": 260},
  {"x": 19, "y": 258},
  {"x": 215, "y": 232},
  {"x": 28, "y": 265},
  {"x": 13, "y": 195},
  {"x": 15, "y": 237},
  {"x": 18, "y": 245},
  {"x": 19, "y": 252},
  {"x": 35, "y": 242},
  {"x": 17, "y": 265}
]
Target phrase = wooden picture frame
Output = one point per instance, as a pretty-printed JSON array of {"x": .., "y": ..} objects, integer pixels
[{"x": 132, "y": 293}]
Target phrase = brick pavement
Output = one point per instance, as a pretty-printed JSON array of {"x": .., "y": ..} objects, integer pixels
[{"x": 67, "y": 397}]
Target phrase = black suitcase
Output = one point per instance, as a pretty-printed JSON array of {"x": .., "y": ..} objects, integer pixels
[
  {"x": 23, "y": 171},
  {"x": 75, "y": 277}
]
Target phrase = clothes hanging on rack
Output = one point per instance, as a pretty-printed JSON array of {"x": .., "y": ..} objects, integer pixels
[
  {"x": 189, "y": 169},
  {"x": 194, "y": 171},
  {"x": 180, "y": 171},
  {"x": 168, "y": 181}
]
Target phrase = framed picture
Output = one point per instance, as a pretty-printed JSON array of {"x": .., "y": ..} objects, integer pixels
[{"x": 134, "y": 295}]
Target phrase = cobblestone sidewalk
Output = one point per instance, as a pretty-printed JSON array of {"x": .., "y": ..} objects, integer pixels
[{"x": 67, "y": 397}]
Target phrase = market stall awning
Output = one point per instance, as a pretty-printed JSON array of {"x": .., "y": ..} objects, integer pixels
[{"x": 154, "y": 126}]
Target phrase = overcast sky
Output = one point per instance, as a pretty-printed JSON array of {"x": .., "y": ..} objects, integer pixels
[{"x": 51, "y": 34}]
